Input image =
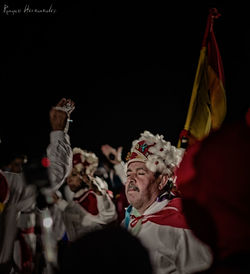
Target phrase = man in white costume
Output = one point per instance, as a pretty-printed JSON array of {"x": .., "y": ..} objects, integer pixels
[
  {"x": 18, "y": 196},
  {"x": 91, "y": 207},
  {"x": 155, "y": 213}
]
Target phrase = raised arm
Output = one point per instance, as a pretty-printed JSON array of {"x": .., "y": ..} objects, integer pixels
[{"x": 59, "y": 151}]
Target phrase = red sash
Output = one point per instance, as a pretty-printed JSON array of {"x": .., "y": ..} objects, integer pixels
[{"x": 170, "y": 215}]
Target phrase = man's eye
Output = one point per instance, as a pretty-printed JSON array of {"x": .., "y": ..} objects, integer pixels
[{"x": 141, "y": 173}]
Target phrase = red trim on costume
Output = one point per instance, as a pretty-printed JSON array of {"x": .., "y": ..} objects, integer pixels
[
  {"x": 88, "y": 201},
  {"x": 26, "y": 252},
  {"x": 170, "y": 215},
  {"x": 28, "y": 230}
]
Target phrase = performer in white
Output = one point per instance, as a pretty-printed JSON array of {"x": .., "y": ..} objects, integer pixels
[
  {"x": 155, "y": 213},
  {"x": 92, "y": 206},
  {"x": 18, "y": 196}
]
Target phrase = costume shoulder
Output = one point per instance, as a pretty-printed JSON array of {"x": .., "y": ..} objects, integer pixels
[{"x": 170, "y": 215}]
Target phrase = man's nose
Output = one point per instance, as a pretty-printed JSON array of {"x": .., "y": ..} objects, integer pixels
[{"x": 131, "y": 179}]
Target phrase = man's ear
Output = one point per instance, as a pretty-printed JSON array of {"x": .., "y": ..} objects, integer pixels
[{"x": 163, "y": 181}]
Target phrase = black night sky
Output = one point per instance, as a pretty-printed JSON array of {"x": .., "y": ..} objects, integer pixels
[{"x": 129, "y": 67}]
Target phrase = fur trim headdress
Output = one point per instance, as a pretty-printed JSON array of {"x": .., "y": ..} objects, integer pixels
[
  {"x": 84, "y": 161},
  {"x": 158, "y": 154}
]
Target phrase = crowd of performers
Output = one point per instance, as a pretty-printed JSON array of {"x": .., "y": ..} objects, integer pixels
[{"x": 163, "y": 209}]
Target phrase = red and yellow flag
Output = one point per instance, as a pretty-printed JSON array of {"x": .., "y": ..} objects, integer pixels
[{"x": 207, "y": 107}]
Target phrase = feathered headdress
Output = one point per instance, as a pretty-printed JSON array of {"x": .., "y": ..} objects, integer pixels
[
  {"x": 158, "y": 154},
  {"x": 85, "y": 161}
]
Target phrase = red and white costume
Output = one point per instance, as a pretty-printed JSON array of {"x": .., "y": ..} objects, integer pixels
[
  {"x": 87, "y": 212},
  {"x": 162, "y": 227},
  {"x": 164, "y": 232},
  {"x": 22, "y": 198}
]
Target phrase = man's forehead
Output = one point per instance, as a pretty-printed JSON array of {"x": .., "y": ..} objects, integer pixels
[{"x": 136, "y": 165}]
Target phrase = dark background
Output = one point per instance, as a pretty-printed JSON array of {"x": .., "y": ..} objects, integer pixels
[{"x": 128, "y": 66}]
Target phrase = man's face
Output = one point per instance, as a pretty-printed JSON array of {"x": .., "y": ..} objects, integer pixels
[
  {"x": 141, "y": 186},
  {"x": 74, "y": 180}
]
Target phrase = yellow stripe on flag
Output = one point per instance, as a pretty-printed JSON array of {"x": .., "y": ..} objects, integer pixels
[
  {"x": 198, "y": 121},
  {"x": 207, "y": 107}
]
